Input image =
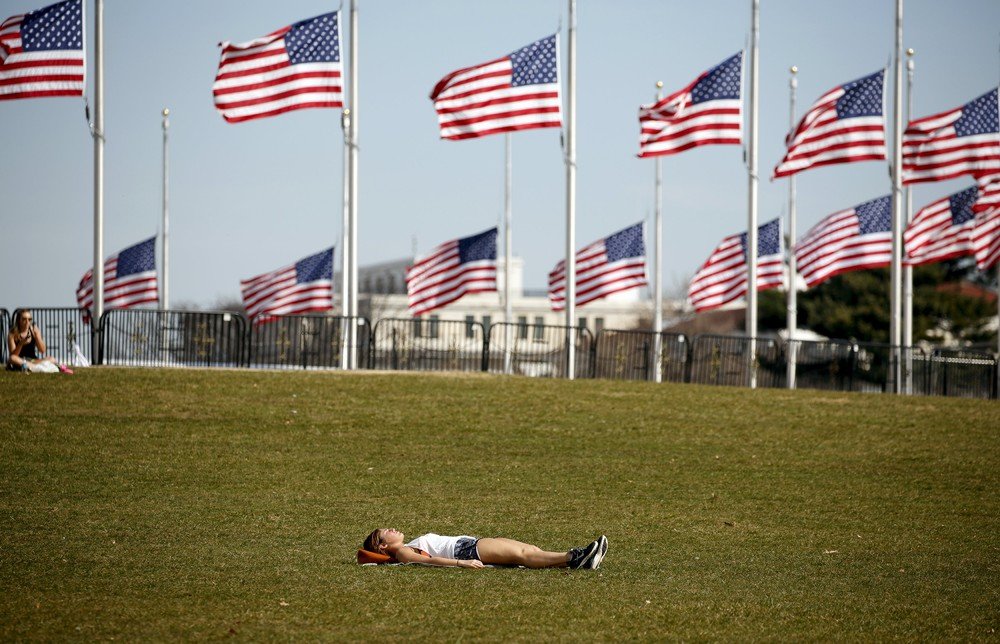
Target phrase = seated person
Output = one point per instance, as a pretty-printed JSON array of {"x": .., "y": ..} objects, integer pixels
[
  {"x": 26, "y": 346},
  {"x": 471, "y": 552}
]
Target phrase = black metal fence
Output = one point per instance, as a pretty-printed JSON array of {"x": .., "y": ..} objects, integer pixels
[
  {"x": 726, "y": 360},
  {"x": 964, "y": 374},
  {"x": 142, "y": 337},
  {"x": 631, "y": 355},
  {"x": 148, "y": 338},
  {"x": 308, "y": 342},
  {"x": 415, "y": 344},
  {"x": 538, "y": 350},
  {"x": 64, "y": 331}
]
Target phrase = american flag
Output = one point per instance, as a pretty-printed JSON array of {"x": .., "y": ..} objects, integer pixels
[
  {"x": 942, "y": 230},
  {"x": 303, "y": 287},
  {"x": 291, "y": 69},
  {"x": 846, "y": 124},
  {"x": 723, "y": 277},
  {"x": 516, "y": 92},
  {"x": 849, "y": 240},
  {"x": 961, "y": 141},
  {"x": 453, "y": 269},
  {"x": 986, "y": 238},
  {"x": 706, "y": 112},
  {"x": 129, "y": 279},
  {"x": 610, "y": 265},
  {"x": 986, "y": 232},
  {"x": 41, "y": 52}
]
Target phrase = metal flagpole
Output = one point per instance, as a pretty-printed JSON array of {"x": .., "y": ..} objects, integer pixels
[
  {"x": 751, "y": 320},
  {"x": 98, "y": 134},
  {"x": 897, "y": 201},
  {"x": 165, "y": 283},
  {"x": 508, "y": 312},
  {"x": 907, "y": 269},
  {"x": 571, "y": 330},
  {"x": 793, "y": 311},
  {"x": 353, "y": 183},
  {"x": 658, "y": 262},
  {"x": 345, "y": 226}
]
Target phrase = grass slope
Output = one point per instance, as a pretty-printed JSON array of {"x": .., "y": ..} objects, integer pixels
[{"x": 146, "y": 504}]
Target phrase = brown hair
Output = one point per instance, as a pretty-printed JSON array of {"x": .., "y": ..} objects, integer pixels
[{"x": 371, "y": 541}]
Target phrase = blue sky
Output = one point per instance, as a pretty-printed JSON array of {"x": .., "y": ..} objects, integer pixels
[{"x": 250, "y": 197}]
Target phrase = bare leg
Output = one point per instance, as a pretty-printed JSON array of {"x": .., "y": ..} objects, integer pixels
[{"x": 510, "y": 552}]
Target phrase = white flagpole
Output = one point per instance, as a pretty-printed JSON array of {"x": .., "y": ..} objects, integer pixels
[
  {"x": 897, "y": 202},
  {"x": 658, "y": 262},
  {"x": 751, "y": 319},
  {"x": 345, "y": 228},
  {"x": 508, "y": 312},
  {"x": 571, "y": 198},
  {"x": 165, "y": 278},
  {"x": 353, "y": 183},
  {"x": 907, "y": 269},
  {"x": 793, "y": 311},
  {"x": 98, "y": 134}
]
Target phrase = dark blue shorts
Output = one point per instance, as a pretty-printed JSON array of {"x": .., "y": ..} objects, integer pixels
[{"x": 466, "y": 549}]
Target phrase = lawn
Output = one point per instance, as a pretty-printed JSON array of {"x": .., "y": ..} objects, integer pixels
[{"x": 190, "y": 504}]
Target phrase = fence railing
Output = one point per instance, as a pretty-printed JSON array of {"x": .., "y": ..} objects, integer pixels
[
  {"x": 63, "y": 329},
  {"x": 631, "y": 355},
  {"x": 414, "y": 344},
  {"x": 538, "y": 350},
  {"x": 726, "y": 360},
  {"x": 150, "y": 338},
  {"x": 308, "y": 342},
  {"x": 144, "y": 337}
]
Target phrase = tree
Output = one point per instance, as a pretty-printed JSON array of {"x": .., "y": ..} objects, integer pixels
[{"x": 856, "y": 305}]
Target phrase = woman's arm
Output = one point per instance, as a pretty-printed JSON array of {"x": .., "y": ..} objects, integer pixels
[
  {"x": 39, "y": 342},
  {"x": 13, "y": 344},
  {"x": 408, "y": 555}
]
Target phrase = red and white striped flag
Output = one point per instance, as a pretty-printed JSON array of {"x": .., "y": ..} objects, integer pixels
[
  {"x": 723, "y": 276},
  {"x": 941, "y": 230},
  {"x": 965, "y": 140},
  {"x": 517, "y": 92},
  {"x": 303, "y": 287},
  {"x": 846, "y": 124},
  {"x": 453, "y": 269},
  {"x": 611, "y": 265},
  {"x": 129, "y": 279},
  {"x": 293, "y": 68},
  {"x": 986, "y": 238},
  {"x": 41, "y": 52},
  {"x": 849, "y": 240},
  {"x": 706, "y": 112},
  {"x": 986, "y": 232}
]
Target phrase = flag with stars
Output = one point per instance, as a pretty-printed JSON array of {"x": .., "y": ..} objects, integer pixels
[
  {"x": 613, "y": 264},
  {"x": 706, "y": 112},
  {"x": 129, "y": 279},
  {"x": 962, "y": 141},
  {"x": 517, "y": 92},
  {"x": 848, "y": 240},
  {"x": 845, "y": 125},
  {"x": 303, "y": 287},
  {"x": 942, "y": 230},
  {"x": 294, "y": 68},
  {"x": 453, "y": 269},
  {"x": 41, "y": 52},
  {"x": 723, "y": 276}
]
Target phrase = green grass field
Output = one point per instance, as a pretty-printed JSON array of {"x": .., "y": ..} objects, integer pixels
[{"x": 148, "y": 504}]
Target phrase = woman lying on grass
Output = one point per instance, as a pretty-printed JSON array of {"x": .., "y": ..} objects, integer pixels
[{"x": 471, "y": 552}]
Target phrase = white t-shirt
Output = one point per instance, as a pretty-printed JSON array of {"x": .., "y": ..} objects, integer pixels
[{"x": 436, "y": 545}]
